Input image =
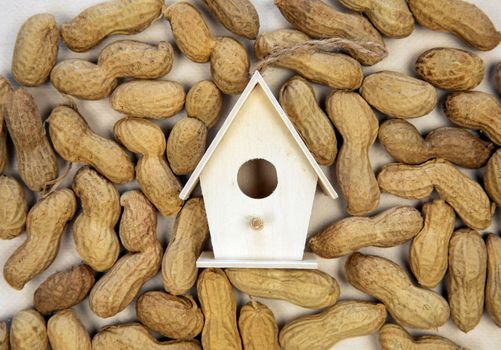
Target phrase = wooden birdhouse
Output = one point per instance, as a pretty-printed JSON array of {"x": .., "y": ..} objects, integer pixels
[{"x": 258, "y": 180}]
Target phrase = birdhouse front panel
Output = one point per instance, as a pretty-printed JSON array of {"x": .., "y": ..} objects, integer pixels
[{"x": 269, "y": 221}]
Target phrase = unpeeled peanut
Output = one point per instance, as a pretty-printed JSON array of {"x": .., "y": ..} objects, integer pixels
[
  {"x": 461, "y": 18},
  {"x": 186, "y": 145},
  {"x": 391, "y": 17},
  {"x": 387, "y": 229},
  {"x": 238, "y": 16},
  {"x": 310, "y": 289},
  {"x": 97, "y": 22},
  {"x": 13, "y": 208},
  {"x": 149, "y": 98},
  {"x": 190, "y": 31},
  {"x": 5, "y": 92},
  {"x": 465, "y": 196},
  {"x": 36, "y": 160},
  {"x": 344, "y": 320},
  {"x": 358, "y": 126},
  {"x": 176, "y": 317},
  {"x": 493, "y": 287},
  {"x": 76, "y": 142},
  {"x": 63, "y": 290},
  {"x": 398, "y": 95},
  {"x": 298, "y": 100},
  {"x": 45, "y": 226},
  {"x": 403, "y": 142},
  {"x": 475, "y": 110},
  {"x": 219, "y": 306},
  {"x": 4, "y": 337},
  {"x": 121, "y": 284},
  {"x": 258, "y": 327},
  {"x": 394, "y": 337},
  {"x": 100, "y": 213},
  {"x": 229, "y": 66},
  {"x": 28, "y": 331},
  {"x": 66, "y": 332},
  {"x": 386, "y": 281},
  {"x": 204, "y": 102},
  {"x": 492, "y": 178},
  {"x": 191, "y": 231},
  {"x": 134, "y": 336},
  {"x": 450, "y": 69},
  {"x": 335, "y": 70},
  {"x": 428, "y": 254},
  {"x": 36, "y": 50},
  {"x": 120, "y": 59},
  {"x": 319, "y": 20},
  {"x": 155, "y": 177},
  {"x": 466, "y": 278}
]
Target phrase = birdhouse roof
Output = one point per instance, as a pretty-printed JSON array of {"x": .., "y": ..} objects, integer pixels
[{"x": 256, "y": 79}]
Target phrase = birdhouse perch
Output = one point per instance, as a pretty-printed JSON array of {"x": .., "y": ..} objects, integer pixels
[{"x": 258, "y": 180}]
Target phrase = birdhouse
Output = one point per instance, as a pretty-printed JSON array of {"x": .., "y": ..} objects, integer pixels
[{"x": 258, "y": 180}]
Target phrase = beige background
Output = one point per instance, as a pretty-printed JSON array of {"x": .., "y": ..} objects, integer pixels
[{"x": 101, "y": 117}]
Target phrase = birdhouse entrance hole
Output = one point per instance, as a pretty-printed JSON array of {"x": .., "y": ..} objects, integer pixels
[{"x": 257, "y": 178}]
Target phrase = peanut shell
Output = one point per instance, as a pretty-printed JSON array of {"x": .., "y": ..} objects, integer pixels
[
  {"x": 358, "y": 126},
  {"x": 45, "y": 226},
  {"x": 36, "y": 50},
  {"x": 461, "y": 18},
  {"x": 120, "y": 59},
  {"x": 310, "y": 289},
  {"x": 5, "y": 92},
  {"x": 492, "y": 178},
  {"x": 258, "y": 327},
  {"x": 220, "y": 310},
  {"x": 428, "y": 254},
  {"x": 155, "y": 99},
  {"x": 450, "y": 69},
  {"x": 36, "y": 161},
  {"x": 186, "y": 145},
  {"x": 475, "y": 110},
  {"x": 497, "y": 77},
  {"x": 75, "y": 142},
  {"x": 190, "y": 31},
  {"x": 229, "y": 66},
  {"x": 394, "y": 337},
  {"x": 398, "y": 95},
  {"x": 403, "y": 142},
  {"x": 335, "y": 70},
  {"x": 344, "y": 320},
  {"x": 13, "y": 208},
  {"x": 97, "y": 22},
  {"x": 28, "y": 331},
  {"x": 464, "y": 195},
  {"x": 391, "y": 17},
  {"x": 387, "y": 229},
  {"x": 298, "y": 100},
  {"x": 466, "y": 278},
  {"x": 204, "y": 102},
  {"x": 238, "y": 16},
  {"x": 493, "y": 289},
  {"x": 386, "y": 281},
  {"x": 122, "y": 283},
  {"x": 4, "y": 337},
  {"x": 134, "y": 336},
  {"x": 155, "y": 177},
  {"x": 63, "y": 290},
  {"x": 66, "y": 332},
  {"x": 176, "y": 317},
  {"x": 188, "y": 237},
  {"x": 320, "y": 20}
]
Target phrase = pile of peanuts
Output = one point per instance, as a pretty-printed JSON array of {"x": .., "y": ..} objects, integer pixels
[{"x": 127, "y": 72}]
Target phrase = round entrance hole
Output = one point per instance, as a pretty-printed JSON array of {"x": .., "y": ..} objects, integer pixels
[{"x": 257, "y": 178}]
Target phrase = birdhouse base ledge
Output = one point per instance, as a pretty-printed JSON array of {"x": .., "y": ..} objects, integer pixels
[{"x": 207, "y": 260}]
